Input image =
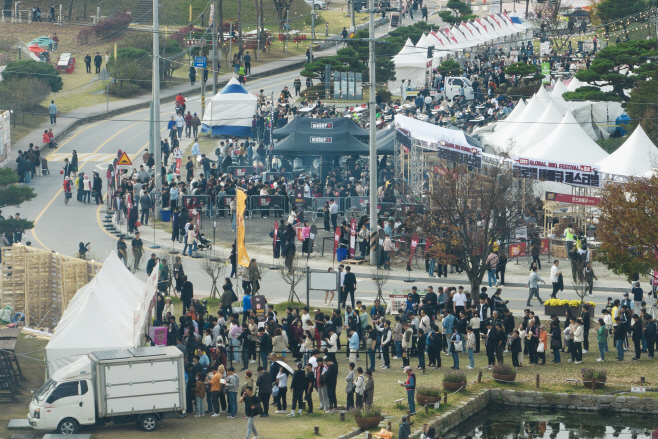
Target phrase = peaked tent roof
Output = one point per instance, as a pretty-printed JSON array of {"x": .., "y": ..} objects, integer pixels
[
  {"x": 567, "y": 142},
  {"x": 532, "y": 111},
  {"x": 575, "y": 84},
  {"x": 543, "y": 96},
  {"x": 84, "y": 326},
  {"x": 635, "y": 157},
  {"x": 306, "y": 144},
  {"x": 230, "y": 111},
  {"x": 558, "y": 90},
  {"x": 315, "y": 127},
  {"x": 538, "y": 131}
]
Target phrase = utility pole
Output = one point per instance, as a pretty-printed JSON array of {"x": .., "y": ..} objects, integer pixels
[
  {"x": 203, "y": 84},
  {"x": 288, "y": 29},
  {"x": 155, "y": 120},
  {"x": 310, "y": 47},
  {"x": 230, "y": 41},
  {"x": 98, "y": 12},
  {"x": 373, "y": 127},
  {"x": 352, "y": 7},
  {"x": 215, "y": 57}
]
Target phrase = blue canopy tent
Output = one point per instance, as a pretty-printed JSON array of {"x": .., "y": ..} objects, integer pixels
[{"x": 230, "y": 112}]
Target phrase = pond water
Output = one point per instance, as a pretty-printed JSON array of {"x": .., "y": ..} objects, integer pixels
[{"x": 514, "y": 423}]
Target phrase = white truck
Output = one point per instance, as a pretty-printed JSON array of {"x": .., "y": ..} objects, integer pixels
[
  {"x": 142, "y": 385},
  {"x": 452, "y": 84}
]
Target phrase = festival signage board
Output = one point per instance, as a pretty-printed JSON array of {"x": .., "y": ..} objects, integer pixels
[
  {"x": 573, "y": 199},
  {"x": 559, "y": 172}
]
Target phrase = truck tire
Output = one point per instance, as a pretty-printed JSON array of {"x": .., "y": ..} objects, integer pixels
[
  {"x": 148, "y": 422},
  {"x": 68, "y": 426}
]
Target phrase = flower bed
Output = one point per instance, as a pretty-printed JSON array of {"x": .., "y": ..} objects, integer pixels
[{"x": 560, "y": 307}]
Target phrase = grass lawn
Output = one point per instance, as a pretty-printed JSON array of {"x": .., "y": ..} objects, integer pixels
[{"x": 26, "y": 126}]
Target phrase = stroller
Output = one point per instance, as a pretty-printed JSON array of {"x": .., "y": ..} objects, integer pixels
[
  {"x": 204, "y": 244},
  {"x": 44, "y": 167}
]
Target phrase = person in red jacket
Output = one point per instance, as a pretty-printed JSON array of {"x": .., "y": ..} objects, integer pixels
[{"x": 46, "y": 139}]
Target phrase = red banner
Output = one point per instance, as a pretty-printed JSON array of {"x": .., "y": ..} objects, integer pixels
[
  {"x": 352, "y": 237},
  {"x": 520, "y": 249},
  {"x": 276, "y": 233},
  {"x": 517, "y": 250},
  {"x": 177, "y": 169},
  {"x": 336, "y": 240},
  {"x": 428, "y": 244},
  {"x": 414, "y": 244},
  {"x": 573, "y": 199}
]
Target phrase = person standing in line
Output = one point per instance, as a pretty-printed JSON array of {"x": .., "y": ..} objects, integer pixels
[
  {"x": 350, "y": 386},
  {"x": 556, "y": 340},
  {"x": 321, "y": 385},
  {"x": 186, "y": 294},
  {"x": 333, "y": 212},
  {"x": 98, "y": 61},
  {"x": 251, "y": 408},
  {"x": 533, "y": 286},
  {"x": 349, "y": 286},
  {"x": 578, "y": 341},
  {"x": 310, "y": 383},
  {"x": 200, "y": 394},
  {"x": 87, "y": 61},
  {"x": 602, "y": 339},
  {"x": 52, "y": 111},
  {"x": 297, "y": 387},
  {"x": 637, "y": 336},
  {"x": 638, "y": 296},
  {"x": 232, "y": 383},
  {"x": 650, "y": 335},
  {"x": 67, "y": 189},
  {"x": 264, "y": 384},
  {"x": 555, "y": 278},
  {"x": 410, "y": 386}
]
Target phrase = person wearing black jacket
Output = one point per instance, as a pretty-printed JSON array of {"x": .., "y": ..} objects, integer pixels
[
  {"x": 500, "y": 268},
  {"x": 187, "y": 292},
  {"x": 264, "y": 384},
  {"x": 297, "y": 388},
  {"x": 650, "y": 335},
  {"x": 349, "y": 286},
  {"x": 492, "y": 339},
  {"x": 556, "y": 339},
  {"x": 586, "y": 325},
  {"x": 265, "y": 344},
  {"x": 515, "y": 348},
  {"x": 331, "y": 379},
  {"x": 309, "y": 380},
  {"x": 337, "y": 323},
  {"x": 637, "y": 336},
  {"x": 245, "y": 338},
  {"x": 508, "y": 322}
]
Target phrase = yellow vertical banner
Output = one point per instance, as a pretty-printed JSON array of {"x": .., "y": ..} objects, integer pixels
[{"x": 243, "y": 257}]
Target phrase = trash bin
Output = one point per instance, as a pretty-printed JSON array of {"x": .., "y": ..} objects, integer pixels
[
  {"x": 165, "y": 214},
  {"x": 341, "y": 254}
]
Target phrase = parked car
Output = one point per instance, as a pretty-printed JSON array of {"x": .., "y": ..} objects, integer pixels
[{"x": 318, "y": 4}]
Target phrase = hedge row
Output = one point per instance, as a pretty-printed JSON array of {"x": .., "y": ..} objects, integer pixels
[{"x": 104, "y": 27}]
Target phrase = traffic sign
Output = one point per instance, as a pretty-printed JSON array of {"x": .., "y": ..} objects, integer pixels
[
  {"x": 200, "y": 61},
  {"x": 124, "y": 162},
  {"x": 194, "y": 42}
]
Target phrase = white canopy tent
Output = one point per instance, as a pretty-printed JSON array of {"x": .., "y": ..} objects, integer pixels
[
  {"x": 538, "y": 131},
  {"x": 634, "y": 158},
  {"x": 518, "y": 109},
  {"x": 230, "y": 112},
  {"x": 101, "y": 316},
  {"x": 574, "y": 84},
  {"x": 430, "y": 133},
  {"x": 410, "y": 64},
  {"x": 567, "y": 143},
  {"x": 500, "y": 138},
  {"x": 558, "y": 90}
]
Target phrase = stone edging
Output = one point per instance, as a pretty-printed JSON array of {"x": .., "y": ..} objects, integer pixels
[{"x": 572, "y": 401}]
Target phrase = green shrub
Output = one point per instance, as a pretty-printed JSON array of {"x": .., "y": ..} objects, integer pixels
[
  {"x": 385, "y": 95},
  {"x": 125, "y": 90},
  {"x": 430, "y": 391}
]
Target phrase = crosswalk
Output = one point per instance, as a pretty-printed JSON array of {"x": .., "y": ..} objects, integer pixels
[{"x": 82, "y": 157}]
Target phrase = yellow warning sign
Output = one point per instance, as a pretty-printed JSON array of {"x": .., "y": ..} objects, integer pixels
[{"x": 124, "y": 160}]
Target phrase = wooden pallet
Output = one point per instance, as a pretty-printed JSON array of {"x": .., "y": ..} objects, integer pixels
[{"x": 352, "y": 261}]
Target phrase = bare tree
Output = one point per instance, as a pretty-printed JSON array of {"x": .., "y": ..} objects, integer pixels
[
  {"x": 24, "y": 94},
  {"x": 282, "y": 6},
  {"x": 379, "y": 277},
  {"x": 547, "y": 19},
  {"x": 215, "y": 271},
  {"x": 469, "y": 211},
  {"x": 293, "y": 276}
]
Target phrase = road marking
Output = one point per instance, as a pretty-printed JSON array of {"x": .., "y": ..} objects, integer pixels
[
  {"x": 84, "y": 156},
  {"x": 61, "y": 189}
]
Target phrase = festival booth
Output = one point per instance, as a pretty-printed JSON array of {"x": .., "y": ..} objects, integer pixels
[
  {"x": 565, "y": 162},
  {"x": 315, "y": 126},
  {"x": 411, "y": 63},
  {"x": 230, "y": 112},
  {"x": 420, "y": 146},
  {"x": 634, "y": 158},
  {"x": 110, "y": 312}
]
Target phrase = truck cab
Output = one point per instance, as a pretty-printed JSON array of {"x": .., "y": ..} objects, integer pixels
[
  {"x": 454, "y": 83},
  {"x": 64, "y": 402}
]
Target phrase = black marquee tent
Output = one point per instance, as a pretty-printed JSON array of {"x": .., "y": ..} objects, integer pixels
[
  {"x": 321, "y": 127},
  {"x": 322, "y": 143}
]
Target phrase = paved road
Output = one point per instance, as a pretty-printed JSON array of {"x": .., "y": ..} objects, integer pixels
[{"x": 60, "y": 228}]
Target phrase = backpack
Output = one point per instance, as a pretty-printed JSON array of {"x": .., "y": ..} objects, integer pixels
[{"x": 414, "y": 329}]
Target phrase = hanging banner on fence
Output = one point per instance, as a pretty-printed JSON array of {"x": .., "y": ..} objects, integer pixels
[
  {"x": 414, "y": 244},
  {"x": 559, "y": 172},
  {"x": 177, "y": 170},
  {"x": 573, "y": 199},
  {"x": 243, "y": 257},
  {"x": 352, "y": 237},
  {"x": 520, "y": 249},
  {"x": 467, "y": 155},
  {"x": 517, "y": 250},
  {"x": 428, "y": 244},
  {"x": 336, "y": 240},
  {"x": 275, "y": 234}
]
